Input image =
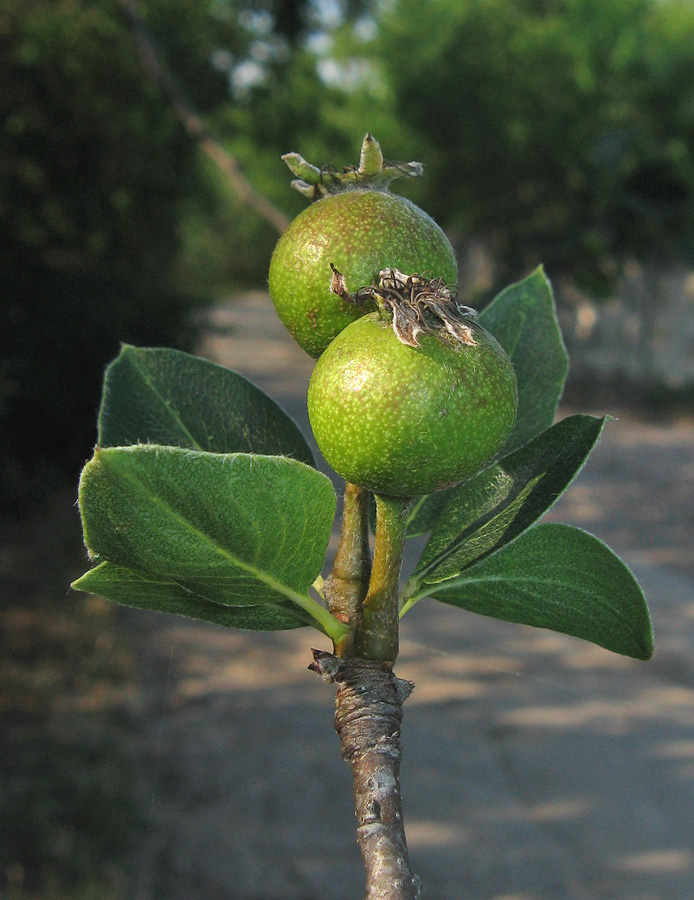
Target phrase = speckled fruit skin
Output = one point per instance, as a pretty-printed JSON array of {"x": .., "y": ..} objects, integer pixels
[
  {"x": 360, "y": 232},
  {"x": 405, "y": 421}
]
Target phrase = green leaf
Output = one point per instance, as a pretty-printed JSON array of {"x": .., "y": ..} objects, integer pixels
[
  {"x": 561, "y": 578},
  {"x": 234, "y": 529},
  {"x": 523, "y": 319},
  {"x": 425, "y": 512},
  {"x": 493, "y": 507},
  {"x": 160, "y": 396},
  {"x": 130, "y": 587}
]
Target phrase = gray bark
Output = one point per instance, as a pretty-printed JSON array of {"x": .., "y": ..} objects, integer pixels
[{"x": 367, "y": 720}]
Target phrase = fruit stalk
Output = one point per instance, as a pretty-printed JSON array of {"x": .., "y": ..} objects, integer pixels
[
  {"x": 367, "y": 720},
  {"x": 377, "y": 635},
  {"x": 348, "y": 582}
]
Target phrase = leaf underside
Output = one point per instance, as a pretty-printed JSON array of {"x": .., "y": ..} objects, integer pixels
[
  {"x": 561, "y": 578},
  {"x": 131, "y": 587},
  {"x": 493, "y": 507}
]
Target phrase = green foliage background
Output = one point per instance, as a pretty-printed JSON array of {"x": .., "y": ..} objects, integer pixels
[
  {"x": 93, "y": 168},
  {"x": 555, "y": 131}
]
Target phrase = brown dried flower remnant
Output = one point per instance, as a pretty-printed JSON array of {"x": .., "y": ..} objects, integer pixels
[{"x": 417, "y": 305}]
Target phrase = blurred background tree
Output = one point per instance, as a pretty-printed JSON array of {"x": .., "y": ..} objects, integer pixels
[
  {"x": 555, "y": 131},
  {"x": 93, "y": 168},
  {"x": 559, "y": 131}
]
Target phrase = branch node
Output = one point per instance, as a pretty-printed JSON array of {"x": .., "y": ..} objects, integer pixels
[{"x": 326, "y": 664}]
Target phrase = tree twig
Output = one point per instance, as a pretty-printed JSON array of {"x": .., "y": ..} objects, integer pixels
[{"x": 192, "y": 121}]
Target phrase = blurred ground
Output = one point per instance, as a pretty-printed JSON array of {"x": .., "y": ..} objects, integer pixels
[{"x": 537, "y": 767}]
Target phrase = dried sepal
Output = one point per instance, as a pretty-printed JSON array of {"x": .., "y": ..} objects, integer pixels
[{"x": 416, "y": 305}]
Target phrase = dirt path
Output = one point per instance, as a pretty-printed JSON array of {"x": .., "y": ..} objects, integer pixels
[{"x": 537, "y": 767}]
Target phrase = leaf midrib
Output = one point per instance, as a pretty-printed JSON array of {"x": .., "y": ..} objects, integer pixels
[
  {"x": 169, "y": 408},
  {"x": 505, "y": 579},
  {"x": 314, "y": 609}
]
